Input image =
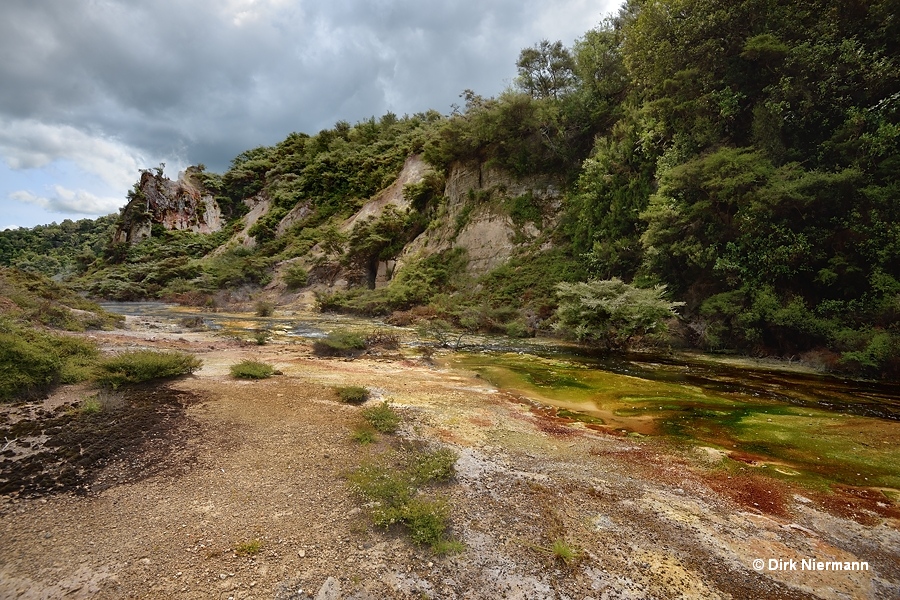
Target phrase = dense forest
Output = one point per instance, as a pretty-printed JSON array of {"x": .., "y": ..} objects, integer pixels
[{"x": 739, "y": 160}]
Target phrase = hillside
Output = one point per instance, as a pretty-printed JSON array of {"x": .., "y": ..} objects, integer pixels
[{"x": 746, "y": 163}]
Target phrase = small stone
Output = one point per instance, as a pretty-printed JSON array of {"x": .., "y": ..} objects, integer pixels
[
  {"x": 222, "y": 575},
  {"x": 330, "y": 590},
  {"x": 301, "y": 553}
]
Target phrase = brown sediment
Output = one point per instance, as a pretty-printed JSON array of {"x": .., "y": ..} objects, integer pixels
[
  {"x": 752, "y": 492},
  {"x": 864, "y": 505}
]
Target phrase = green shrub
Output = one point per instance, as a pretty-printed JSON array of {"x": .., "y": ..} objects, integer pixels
[
  {"x": 518, "y": 329},
  {"x": 26, "y": 367},
  {"x": 31, "y": 362},
  {"x": 382, "y": 417},
  {"x": 439, "y": 465},
  {"x": 264, "y": 308},
  {"x": 295, "y": 276},
  {"x": 388, "y": 489},
  {"x": 392, "y": 496},
  {"x": 426, "y": 519},
  {"x": 251, "y": 369},
  {"x": 139, "y": 366},
  {"x": 353, "y": 394},
  {"x": 339, "y": 343},
  {"x": 262, "y": 336},
  {"x": 611, "y": 313}
]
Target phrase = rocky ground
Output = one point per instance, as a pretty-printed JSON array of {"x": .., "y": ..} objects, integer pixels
[{"x": 169, "y": 484}]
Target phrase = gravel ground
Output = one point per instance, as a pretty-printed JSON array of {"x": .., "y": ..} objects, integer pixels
[{"x": 169, "y": 482}]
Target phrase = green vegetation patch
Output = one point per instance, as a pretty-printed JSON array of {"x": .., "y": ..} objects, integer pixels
[
  {"x": 32, "y": 361},
  {"x": 340, "y": 343},
  {"x": 352, "y": 394},
  {"x": 248, "y": 548},
  {"x": 393, "y": 496},
  {"x": 138, "y": 366},
  {"x": 364, "y": 435},
  {"x": 264, "y": 308},
  {"x": 382, "y": 417},
  {"x": 251, "y": 369}
]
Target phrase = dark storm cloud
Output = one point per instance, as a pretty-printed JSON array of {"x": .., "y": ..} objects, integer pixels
[{"x": 207, "y": 79}]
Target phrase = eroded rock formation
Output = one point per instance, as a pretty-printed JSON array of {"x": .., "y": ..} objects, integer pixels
[{"x": 179, "y": 204}]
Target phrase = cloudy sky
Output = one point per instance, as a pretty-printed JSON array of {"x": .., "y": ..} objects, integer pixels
[{"x": 91, "y": 91}]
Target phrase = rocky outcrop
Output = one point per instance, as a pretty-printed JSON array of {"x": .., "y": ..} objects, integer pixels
[
  {"x": 474, "y": 215},
  {"x": 475, "y": 221},
  {"x": 179, "y": 204}
]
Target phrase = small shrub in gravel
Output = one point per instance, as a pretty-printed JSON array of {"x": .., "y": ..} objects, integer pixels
[
  {"x": 250, "y": 548},
  {"x": 353, "y": 394},
  {"x": 364, "y": 435},
  {"x": 439, "y": 465},
  {"x": 251, "y": 369},
  {"x": 382, "y": 417},
  {"x": 392, "y": 497}
]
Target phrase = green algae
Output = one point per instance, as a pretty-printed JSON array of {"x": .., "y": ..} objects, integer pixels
[{"x": 814, "y": 430}]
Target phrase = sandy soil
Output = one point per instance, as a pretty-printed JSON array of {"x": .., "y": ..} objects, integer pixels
[{"x": 209, "y": 463}]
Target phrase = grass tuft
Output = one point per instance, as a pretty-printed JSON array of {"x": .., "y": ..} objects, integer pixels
[
  {"x": 563, "y": 551},
  {"x": 250, "y": 548},
  {"x": 90, "y": 406},
  {"x": 446, "y": 547}
]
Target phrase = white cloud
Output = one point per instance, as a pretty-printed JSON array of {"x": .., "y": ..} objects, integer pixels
[
  {"x": 68, "y": 201},
  {"x": 31, "y": 144}
]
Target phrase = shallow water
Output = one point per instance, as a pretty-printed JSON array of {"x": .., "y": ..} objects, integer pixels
[
  {"x": 815, "y": 427},
  {"x": 800, "y": 426}
]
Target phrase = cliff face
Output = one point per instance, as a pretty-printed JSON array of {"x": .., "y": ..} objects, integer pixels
[
  {"x": 179, "y": 204},
  {"x": 476, "y": 221},
  {"x": 474, "y": 215}
]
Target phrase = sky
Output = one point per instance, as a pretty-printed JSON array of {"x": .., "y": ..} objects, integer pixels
[{"x": 92, "y": 91}]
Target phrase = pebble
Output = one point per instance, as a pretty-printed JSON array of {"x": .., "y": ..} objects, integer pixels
[{"x": 301, "y": 553}]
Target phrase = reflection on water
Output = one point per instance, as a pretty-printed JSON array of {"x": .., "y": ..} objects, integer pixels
[{"x": 823, "y": 428}]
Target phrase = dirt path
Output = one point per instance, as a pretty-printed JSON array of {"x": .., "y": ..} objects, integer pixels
[{"x": 235, "y": 462}]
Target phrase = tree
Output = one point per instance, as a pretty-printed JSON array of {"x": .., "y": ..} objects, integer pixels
[
  {"x": 612, "y": 314},
  {"x": 546, "y": 70}
]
